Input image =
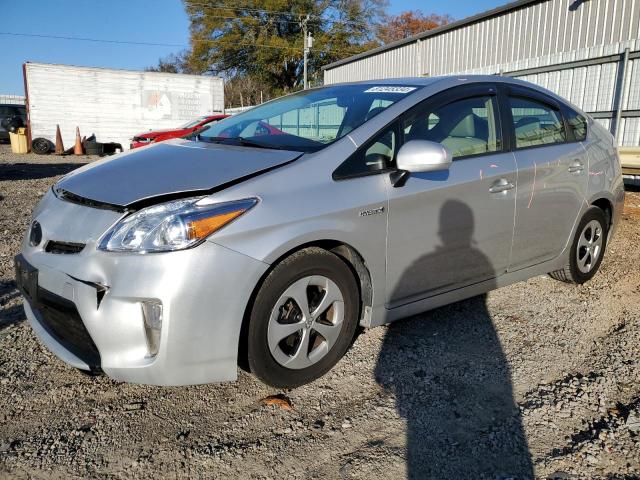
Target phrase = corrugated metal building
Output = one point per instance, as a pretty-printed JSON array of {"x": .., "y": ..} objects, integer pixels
[{"x": 585, "y": 50}]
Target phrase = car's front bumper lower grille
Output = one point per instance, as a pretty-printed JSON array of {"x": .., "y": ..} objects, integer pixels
[
  {"x": 63, "y": 247},
  {"x": 61, "y": 319}
]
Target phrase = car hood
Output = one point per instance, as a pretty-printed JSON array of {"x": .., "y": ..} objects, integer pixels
[{"x": 170, "y": 169}]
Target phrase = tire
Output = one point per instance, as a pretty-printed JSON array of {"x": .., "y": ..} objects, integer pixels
[
  {"x": 42, "y": 146},
  {"x": 285, "y": 360},
  {"x": 584, "y": 259}
]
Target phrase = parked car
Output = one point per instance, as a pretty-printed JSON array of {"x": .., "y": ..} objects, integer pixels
[
  {"x": 8, "y": 110},
  {"x": 377, "y": 200},
  {"x": 142, "y": 139}
]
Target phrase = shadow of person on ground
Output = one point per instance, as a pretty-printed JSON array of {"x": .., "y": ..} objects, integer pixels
[
  {"x": 35, "y": 171},
  {"x": 450, "y": 376}
]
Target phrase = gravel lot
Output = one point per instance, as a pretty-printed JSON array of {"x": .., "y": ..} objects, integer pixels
[{"x": 537, "y": 379}]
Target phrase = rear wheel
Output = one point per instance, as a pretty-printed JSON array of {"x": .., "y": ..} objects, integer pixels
[
  {"x": 587, "y": 249},
  {"x": 303, "y": 318}
]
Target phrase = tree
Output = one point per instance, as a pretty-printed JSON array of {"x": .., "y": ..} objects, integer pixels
[
  {"x": 170, "y": 64},
  {"x": 263, "y": 39},
  {"x": 256, "y": 45},
  {"x": 410, "y": 23},
  {"x": 244, "y": 91}
]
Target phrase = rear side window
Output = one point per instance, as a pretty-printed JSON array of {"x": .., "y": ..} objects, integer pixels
[
  {"x": 466, "y": 127},
  {"x": 578, "y": 124},
  {"x": 536, "y": 123}
]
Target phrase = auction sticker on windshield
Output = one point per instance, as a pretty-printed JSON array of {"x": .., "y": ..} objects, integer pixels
[{"x": 386, "y": 89}]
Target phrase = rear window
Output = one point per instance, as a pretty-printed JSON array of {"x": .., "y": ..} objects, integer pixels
[{"x": 578, "y": 124}]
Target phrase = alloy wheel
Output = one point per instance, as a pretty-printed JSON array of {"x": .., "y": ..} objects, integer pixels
[
  {"x": 305, "y": 322},
  {"x": 589, "y": 246}
]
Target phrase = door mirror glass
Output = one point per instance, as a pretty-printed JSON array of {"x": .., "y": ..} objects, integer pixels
[{"x": 423, "y": 156}]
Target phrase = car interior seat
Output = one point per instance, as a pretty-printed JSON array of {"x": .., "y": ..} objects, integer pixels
[{"x": 468, "y": 136}]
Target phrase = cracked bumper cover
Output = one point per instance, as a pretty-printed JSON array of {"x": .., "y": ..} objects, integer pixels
[{"x": 204, "y": 292}]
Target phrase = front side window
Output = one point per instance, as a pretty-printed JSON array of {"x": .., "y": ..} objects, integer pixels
[
  {"x": 377, "y": 155},
  {"x": 536, "y": 123},
  {"x": 466, "y": 127},
  {"x": 310, "y": 120}
]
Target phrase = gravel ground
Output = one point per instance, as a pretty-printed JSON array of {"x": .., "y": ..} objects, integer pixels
[{"x": 536, "y": 379}]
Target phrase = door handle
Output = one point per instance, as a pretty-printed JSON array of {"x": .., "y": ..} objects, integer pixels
[
  {"x": 576, "y": 167},
  {"x": 501, "y": 185}
]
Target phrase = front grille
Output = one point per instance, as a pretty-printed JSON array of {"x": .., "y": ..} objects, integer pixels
[
  {"x": 63, "y": 247},
  {"x": 61, "y": 319}
]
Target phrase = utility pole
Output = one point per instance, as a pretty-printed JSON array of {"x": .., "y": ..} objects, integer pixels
[{"x": 308, "y": 43}]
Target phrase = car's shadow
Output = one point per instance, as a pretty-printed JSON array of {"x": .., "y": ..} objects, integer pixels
[{"x": 34, "y": 171}]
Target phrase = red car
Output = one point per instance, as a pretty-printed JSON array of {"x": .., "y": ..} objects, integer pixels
[{"x": 147, "y": 138}]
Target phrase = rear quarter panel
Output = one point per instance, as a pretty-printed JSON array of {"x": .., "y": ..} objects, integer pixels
[{"x": 605, "y": 171}]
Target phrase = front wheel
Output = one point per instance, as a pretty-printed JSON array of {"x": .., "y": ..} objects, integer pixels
[
  {"x": 587, "y": 249},
  {"x": 303, "y": 318}
]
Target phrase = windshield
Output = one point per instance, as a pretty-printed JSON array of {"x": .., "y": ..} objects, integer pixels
[
  {"x": 310, "y": 120},
  {"x": 193, "y": 123}
]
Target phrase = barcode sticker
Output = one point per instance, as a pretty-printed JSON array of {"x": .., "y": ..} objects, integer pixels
[{"x": 386, "y": 89}]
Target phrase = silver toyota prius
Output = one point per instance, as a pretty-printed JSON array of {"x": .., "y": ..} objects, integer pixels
[{"x": 266, "y": 240}]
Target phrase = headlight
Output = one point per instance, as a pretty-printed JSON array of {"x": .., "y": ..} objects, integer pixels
[
  {"x": 143, "y": 139},
  {"x": 172, "y": 226}
]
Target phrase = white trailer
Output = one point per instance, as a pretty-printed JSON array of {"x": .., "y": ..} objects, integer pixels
[{"x": 113, "y": 104}]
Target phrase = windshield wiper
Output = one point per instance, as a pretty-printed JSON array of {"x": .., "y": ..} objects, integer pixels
[
  {"x": 253, "y": 143},
  {"x": 237, "y": 141},
  {"x": 196, "y": 133}
]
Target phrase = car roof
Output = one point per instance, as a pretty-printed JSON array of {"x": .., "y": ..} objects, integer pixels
[
  {"x": 425, "y": 81},
  {"x": 448, "y": 81}
]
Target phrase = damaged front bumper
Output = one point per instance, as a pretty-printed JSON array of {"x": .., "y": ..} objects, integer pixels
[{"x": 88, "y": 307}]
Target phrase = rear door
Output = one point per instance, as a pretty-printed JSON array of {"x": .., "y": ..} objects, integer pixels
[
  {"x": 452, "y": 228},
  {"x": 552, "y": 175}
]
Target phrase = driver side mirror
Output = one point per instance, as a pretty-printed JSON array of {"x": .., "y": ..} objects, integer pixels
[{"x": 420, "y": 156}]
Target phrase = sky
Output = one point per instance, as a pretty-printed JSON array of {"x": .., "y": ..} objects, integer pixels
[{"x": 144, "y": 21}]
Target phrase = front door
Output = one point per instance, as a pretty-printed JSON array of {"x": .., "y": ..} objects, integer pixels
[{"x": 453, "y": 228}]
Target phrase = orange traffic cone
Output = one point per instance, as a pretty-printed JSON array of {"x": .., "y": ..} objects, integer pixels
[
  {"x": 77, "y": 149},
  {"x": 59, "y": 144}
]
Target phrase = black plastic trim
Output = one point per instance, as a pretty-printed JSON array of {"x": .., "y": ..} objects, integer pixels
[
  {"x": 61, "y": 319},
  {"x": 87, "y": 202},
  {"x": 63, "y": 248}
]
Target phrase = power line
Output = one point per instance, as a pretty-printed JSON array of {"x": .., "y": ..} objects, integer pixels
[
  {"x": 131, "y": 42},
  {"x": 86, "y": 39}
]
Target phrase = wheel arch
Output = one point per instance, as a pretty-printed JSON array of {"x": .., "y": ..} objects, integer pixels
[
  {"x": 606, "y": 206},
  {"x": 352, "y": 258}
]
